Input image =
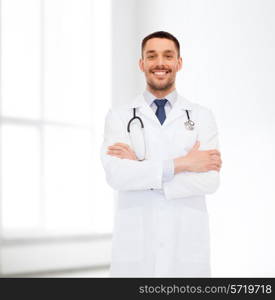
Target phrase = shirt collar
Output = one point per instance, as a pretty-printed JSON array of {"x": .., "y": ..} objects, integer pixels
[
  {"x": 149, "y": 97},
  {"x": 181, "y": 102}
]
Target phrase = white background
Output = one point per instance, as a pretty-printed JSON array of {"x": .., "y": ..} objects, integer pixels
[
  {"x": 228, "y": 51},
  {"x": 60, "y": 52}
]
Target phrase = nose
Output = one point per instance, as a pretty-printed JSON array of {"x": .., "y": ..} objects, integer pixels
[{"x": 160, "y": 62}]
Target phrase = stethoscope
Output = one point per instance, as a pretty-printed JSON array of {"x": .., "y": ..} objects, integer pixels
[{"x": 140, "y": 152}]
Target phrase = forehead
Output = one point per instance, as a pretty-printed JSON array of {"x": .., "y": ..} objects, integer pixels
[{"x": 159, "y": 45}]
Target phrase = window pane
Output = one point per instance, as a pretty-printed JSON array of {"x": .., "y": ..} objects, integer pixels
[
  {"x": 103, "y": 194},
  {"x": 68, "y": 61},
  {"x": 102, "y": 47},
  {"x": 69, "y": 180},
  {"x": 20, "y": 61},
  {"x": 20, "y": 180}
]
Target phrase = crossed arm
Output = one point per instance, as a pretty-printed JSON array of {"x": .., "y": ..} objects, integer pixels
[
  {"x": 196, "y": 173},
  {"x": 194, "y": 161}
]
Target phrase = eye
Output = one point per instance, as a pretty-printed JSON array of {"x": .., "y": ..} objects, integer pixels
[{"x": 150, "y": 56}]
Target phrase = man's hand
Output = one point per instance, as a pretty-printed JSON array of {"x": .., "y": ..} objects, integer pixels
[
  {"x": 122, "y": 151},
  {"x": 198, "y": 161}
]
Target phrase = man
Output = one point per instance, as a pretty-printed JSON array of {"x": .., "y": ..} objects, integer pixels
[{"x": 161, "y": 222}]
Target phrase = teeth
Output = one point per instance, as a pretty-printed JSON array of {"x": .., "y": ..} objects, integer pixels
[{"x": 160, "y": 73}]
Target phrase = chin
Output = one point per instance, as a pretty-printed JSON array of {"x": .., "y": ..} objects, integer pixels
[{"x": 161, "y": 87}]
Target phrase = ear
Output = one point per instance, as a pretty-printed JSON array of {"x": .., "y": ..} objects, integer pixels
[
  {"x": 179, "y": 66},
  {"x": 141, "y": 64}
]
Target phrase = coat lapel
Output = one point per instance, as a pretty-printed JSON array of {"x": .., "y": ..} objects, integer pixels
[
  {"x": 178, "y": 110},
  {"x": 144, "y": 110}
]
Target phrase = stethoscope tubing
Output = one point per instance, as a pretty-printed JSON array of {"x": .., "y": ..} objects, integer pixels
[
  {"x": 189, "y": 124},
  {"x": 134, "y": 117}
]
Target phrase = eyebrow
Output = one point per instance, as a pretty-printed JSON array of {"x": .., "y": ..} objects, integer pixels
[
  {"x": 165, "y": 51},
  {"x": 169, "y": 51}
]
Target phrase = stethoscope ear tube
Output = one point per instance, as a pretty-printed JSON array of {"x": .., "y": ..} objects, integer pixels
[{"x": 137, "y": 139}]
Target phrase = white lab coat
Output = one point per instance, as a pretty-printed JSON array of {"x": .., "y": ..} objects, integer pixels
[{"x": 161, "y": 229}]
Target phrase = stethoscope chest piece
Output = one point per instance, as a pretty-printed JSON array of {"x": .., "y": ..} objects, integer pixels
[{"x": 189, "y": 124}]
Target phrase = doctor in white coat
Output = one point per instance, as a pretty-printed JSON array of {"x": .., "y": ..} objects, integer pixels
[{"x": 161, "y": 226}]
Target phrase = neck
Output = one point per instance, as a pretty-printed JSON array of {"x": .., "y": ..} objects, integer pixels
[{"x": 161, "y": 94}]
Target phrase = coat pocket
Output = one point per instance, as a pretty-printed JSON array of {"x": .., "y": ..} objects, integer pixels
[
  {"x": 128, "y": 239},
  {"x": 193, "y": 238}
]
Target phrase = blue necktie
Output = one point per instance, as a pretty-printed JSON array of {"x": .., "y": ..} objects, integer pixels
[{"x": 160, "y": 113}]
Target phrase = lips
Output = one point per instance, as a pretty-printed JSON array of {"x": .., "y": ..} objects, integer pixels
[{"x": 160, "y": 73}]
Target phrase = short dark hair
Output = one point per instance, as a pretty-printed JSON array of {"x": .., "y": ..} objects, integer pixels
[{"x": 161, "y": 35}]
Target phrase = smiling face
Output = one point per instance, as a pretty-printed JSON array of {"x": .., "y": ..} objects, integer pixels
[{"x": 160, "y": 64}]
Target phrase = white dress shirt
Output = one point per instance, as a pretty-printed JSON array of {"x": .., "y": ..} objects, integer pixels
[{"x": 168, "y": 165}]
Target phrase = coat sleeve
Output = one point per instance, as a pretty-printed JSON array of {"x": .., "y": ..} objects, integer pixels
[
  {"x": 126, "y": 174},
  {"x": 186, "y": 184}
]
